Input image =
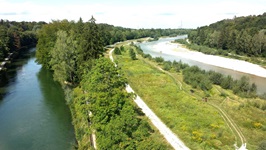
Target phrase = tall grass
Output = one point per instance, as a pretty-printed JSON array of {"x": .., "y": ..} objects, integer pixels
[{"x": 198, "y": 124}]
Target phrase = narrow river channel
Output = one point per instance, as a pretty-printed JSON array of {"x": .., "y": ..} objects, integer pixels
[
  {"x": 148, "y": 48},
  {"x": 33, "y": 113}
]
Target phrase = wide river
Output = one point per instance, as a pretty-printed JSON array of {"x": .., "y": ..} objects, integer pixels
[
  {"x": 161, "y": 47},
  {"x": 33, "y": 113}
]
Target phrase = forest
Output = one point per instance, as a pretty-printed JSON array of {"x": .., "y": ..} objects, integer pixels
[
  {"x": 241, "y": 35},
  {"x": 15, "y": 35},
  {"x": 94, "y": 87}
]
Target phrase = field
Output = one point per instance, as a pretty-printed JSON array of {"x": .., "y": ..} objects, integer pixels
[{"x": 214, "y": 122}]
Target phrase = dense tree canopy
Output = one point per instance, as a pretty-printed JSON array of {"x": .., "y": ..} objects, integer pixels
[
  {"x": 100, "y": 104},
  {"x": 15, "y": 35},
  {"x": 109, "y": 111},
  {"x": 78, "y": 43},
  {"x": 242, "y": 35}
]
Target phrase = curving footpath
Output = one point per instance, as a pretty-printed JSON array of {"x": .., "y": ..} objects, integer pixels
[{"x": 175, "y": 142}]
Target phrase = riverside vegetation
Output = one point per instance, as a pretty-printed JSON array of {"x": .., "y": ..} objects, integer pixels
[
  {"x": 16, "y": 35},
  {"x": 180, "y": 103},
  {"x": 242, "y": 38},
  {"x": 94, "y": 87},
  {"x": 14, "y": 38}
]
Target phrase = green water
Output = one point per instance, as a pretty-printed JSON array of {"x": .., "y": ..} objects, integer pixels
[{"x": 33, "y": 113}]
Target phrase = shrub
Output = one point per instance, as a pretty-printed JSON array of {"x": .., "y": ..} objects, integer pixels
[
  {"x": 176, "y": 66},
  {"x": 117, "y": 51},
  {"x": 159, "y": 59},
  {"x": 132, "y": 54},
  {"x": 167, "y": 65},
  {"x": 122, "y": 48},
  {"x": 147, "y": 56}
]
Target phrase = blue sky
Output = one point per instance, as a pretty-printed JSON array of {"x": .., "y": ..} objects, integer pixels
[{"x": 132, "y": 13}]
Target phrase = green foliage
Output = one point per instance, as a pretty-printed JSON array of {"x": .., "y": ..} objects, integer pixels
[
  {"x": 80, "y": 118},
  {"x": 242, "y": 87},
  {"x": 117, "y": 51},
  {"x": 147, "y": 56},
  {"x": 92, "y": 43},
  {"x": 167, "y": 65},
  {"x": 111, "y": 34},
  {"x": 83, "y": 45},
  {"x": 181, "y": 41},
  {"x": 159, "y": 59},
  {"x": 197, "y": 78},
  {"x": 122, "y": 48},
  {"x": 227, "y": 82},
  {"x": 47, "y": 36},
  {"x": 215, "y": 77},
  {"x": 64, "y": 58},
  {"x": 16, "y": 35},
  {"x": 139, "y": 50},
  {"x": 177, "y": 66},
  {"x": 100, "y": 102},
  {"x": 244, "y": 35},
  {"x": 132, "y": 54},
  {"x": 114, "y": 117}
]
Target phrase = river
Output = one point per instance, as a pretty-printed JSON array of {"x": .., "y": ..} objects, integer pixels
[
  {"x": 159, "y": 49},
  {"x": 33, "y": 113}
]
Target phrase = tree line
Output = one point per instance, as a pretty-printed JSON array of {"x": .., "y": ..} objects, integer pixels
[
  {"x": 15, "y": 35},
  {"x": 241, "y": 35},
  {"x": 95, "y": 89},
  {"x": 67, "y": 47}
]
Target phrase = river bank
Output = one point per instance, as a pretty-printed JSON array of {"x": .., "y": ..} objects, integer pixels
[
  {"x": 228, "y": 63},
  {"x": 11, "y": 57}
]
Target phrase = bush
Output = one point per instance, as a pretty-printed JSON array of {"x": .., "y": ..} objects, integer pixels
[
  {"x": 146, "y": 56},
  {"x": 215, "y": 77},
  {"x": 132, "y": 54},
  {"x": 167, "y": 65},
  {"x": 197, "y": 78},
  {"x": 139, "y": 50},
  {"x": 159, "y": 59},
  {"x": 176, "y": 66},
  {"x": 122, "y": 48},
  {"x": 227, "y": 82},
  {"x": 117, "y": 51}
]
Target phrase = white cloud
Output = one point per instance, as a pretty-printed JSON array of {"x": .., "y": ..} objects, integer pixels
[{"x": 135, "y": 16}]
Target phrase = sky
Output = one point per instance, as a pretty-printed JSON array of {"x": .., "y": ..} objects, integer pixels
[{"x": 132, "y": 13}]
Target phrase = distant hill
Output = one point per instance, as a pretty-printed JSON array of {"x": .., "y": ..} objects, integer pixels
[{"x": 242, "y": 35}]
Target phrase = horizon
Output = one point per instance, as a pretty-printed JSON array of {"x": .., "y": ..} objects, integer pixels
[{"x": 132, "y": 14}]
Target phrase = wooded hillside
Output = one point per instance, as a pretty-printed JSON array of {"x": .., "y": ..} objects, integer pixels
[{"x": 241, "y": 35}]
